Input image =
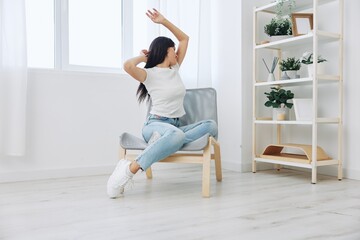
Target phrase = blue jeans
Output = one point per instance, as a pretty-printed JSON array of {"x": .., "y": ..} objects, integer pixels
[{"x": 172, "y": 137}]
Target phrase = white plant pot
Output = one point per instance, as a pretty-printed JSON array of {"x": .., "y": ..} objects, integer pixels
[
  {"x": 280, "y": 114},
  {"x": 279, "y": 37},
  {"x": 292, "y": 74},
  {"x": 310, "y": 68}
]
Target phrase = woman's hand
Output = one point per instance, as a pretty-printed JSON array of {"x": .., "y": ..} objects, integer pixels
[
  {"x": 144, "y": 52},
  {"x": 144, "y": 55},
  {"x": 155, "y": 16}
]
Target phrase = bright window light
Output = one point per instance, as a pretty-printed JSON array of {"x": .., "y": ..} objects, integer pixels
[{"x": 95, "y": 33}]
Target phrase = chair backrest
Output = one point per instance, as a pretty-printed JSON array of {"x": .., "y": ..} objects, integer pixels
[{"x": 199, "y": 104}]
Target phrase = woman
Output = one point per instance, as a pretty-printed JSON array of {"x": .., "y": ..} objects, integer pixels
[{"x": 160, "y": 81}]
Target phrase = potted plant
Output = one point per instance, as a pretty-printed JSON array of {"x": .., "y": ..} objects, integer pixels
[
  {"x": 289, "y": 67},
  {"x": 278, "y": 27},
  {"x": 307, "y": 59},
  {"x": 278, "y": 100},
  {"x": 281, "y": 24}
]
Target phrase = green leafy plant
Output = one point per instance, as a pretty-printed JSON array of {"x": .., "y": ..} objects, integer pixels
[
  {"x": 278, "y": 97},
  {"x": 307, "y": 58},
  {"x": 284, "y": 7},
  {"x": 290, "y": 64},
  {"x": 278, "y": 26}
]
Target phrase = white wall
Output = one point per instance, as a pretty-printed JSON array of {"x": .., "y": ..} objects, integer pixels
[
  {"x": 351, "y": 90},
  {"x": 74, "y": 123},
  {"x": 226, "y": 77},
  {"x": 74, "y": 119}
]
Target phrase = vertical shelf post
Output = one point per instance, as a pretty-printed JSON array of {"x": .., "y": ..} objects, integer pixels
[
  {"x": 341, "y": 82},
  {"x": 254, "y": 93},
  {"x": 315, "y": 94}
]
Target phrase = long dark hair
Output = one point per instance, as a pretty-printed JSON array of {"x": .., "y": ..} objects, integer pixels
[{"x": 157, "y": 53}]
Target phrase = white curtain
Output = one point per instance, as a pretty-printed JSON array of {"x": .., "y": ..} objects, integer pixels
[
  {"x": 13, "y": 77},
  {"x": 193, "y": 17}
]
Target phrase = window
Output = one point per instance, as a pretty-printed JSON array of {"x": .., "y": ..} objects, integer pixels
[
  {"x": 40, "y": 33},
  {"x": 95, "y": 33},
  {"x": 85, "y": 35}
]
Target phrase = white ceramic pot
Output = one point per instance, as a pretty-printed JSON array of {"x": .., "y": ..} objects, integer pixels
[
  {"x": 280, "y": 114},
  {"x": 279, "y": 37},
  {"x": 310, "y": 68},
  {"x": 292, "y": 74}
]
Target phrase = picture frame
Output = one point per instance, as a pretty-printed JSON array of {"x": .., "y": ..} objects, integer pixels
[
  {"x": 302, "y": 23},
  {"x": 303, "y": 109}
]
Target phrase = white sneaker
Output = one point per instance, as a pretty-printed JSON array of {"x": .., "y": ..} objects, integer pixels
[
  {"x": 119, "y": 178},
  {"x": 155, "y": 136}
]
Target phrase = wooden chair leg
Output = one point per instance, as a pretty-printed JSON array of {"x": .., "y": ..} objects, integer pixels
[
  {"x": 206, "y": 171},
  {"x": 218, "y": 170},
  {"x": 122, "y": 153},
  {"x": 149, "y": 173}
]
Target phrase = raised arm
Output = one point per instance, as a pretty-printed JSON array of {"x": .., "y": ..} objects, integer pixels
[
  {"x": 183, "y": 39},
  {"x": 130, "y": 66}
]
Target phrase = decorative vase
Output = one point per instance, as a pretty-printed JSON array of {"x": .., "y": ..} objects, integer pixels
[
  {"x": 280, "y": 114},
  {"x": 271, "y": 77}
]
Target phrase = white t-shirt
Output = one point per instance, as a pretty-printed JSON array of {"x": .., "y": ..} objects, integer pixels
[{"x": 166, "y": 90}]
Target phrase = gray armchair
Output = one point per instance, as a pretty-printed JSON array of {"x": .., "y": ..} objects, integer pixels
[{"x": 200, "y": 104}]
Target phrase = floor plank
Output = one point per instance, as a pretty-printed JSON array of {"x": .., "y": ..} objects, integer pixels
[{"x": 265, "y": 205}]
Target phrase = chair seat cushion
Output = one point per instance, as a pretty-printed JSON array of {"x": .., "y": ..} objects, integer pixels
[{"x": 131, "y": 142}]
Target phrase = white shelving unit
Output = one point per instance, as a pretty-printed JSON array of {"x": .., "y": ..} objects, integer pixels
[{"x": 314, "y": 39}]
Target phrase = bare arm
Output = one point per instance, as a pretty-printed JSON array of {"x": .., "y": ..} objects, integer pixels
[
  {"x": 130, "y": 66},
  {"x": 183, "y": 39}
]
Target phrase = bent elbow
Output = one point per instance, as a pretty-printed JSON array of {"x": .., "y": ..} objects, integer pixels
[{"x": 127, "y": 66}]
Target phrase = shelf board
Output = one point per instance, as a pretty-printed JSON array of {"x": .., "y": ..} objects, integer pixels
[
  {"x": 285, "y": 122},
  {"x": 300, "y": 6},
  {"x": 295, "y": 122},
  {"x": 297, "y": 81},
  {"x": 323, "y": 37},
  {"x": 328, "y": 120},
  {"x": 328, "y": 78},
  {"x": 288, "y": 42},
  {"x": 322, "y": 79},
  {"x": 305, "y": 164}
]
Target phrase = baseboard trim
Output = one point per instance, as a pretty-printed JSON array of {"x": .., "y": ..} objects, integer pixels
[
  {"x": 352, "y": 174},
  {"x": 232, "y": 166}
]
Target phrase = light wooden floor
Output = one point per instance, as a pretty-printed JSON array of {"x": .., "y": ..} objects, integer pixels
[{"x": 265, "y": 205}]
